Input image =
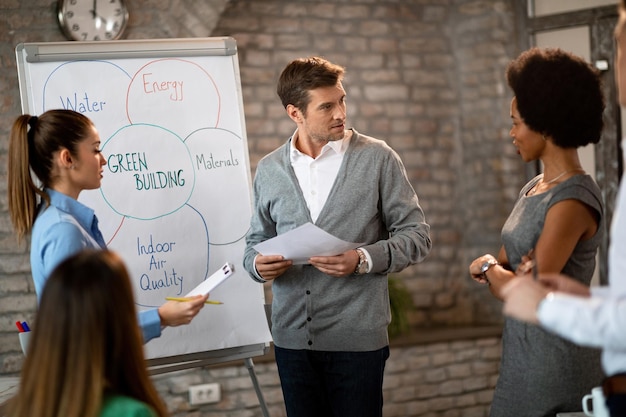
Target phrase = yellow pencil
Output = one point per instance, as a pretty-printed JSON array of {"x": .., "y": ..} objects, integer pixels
[{"x": 189, "y": 299}]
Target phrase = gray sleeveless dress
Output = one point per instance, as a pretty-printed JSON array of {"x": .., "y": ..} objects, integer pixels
[{"x": 540, "y": 373}]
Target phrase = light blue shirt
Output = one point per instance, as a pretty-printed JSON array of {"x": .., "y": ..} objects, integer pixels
[{"x": 64, "y": 228}]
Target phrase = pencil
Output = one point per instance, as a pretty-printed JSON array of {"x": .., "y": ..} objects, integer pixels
[{"x": 189, "y": 299}]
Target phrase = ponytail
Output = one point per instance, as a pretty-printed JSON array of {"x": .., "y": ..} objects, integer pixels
[
  {"x": 22, "y": 191},
  {"x": 33, "y": 143}
]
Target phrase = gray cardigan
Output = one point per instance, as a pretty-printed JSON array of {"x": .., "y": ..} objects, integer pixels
[{"x": 371, "y": 201}]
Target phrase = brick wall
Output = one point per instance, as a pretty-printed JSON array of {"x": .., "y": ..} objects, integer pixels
[
  {"x": 427, "y": 77},
  {"x": 448, "y": 379},
  {"x": 424, "y": 75}
]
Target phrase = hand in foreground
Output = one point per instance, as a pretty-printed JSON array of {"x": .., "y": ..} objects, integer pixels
[
  {"x": 338, "y": 265},
  {"x": 563, "y": 283},
  {"x": 522, "y": 297},
  {"x": 527, "y": 265},
  {"x": 271, "y": 266},
  {"x": 176, "y": 313}
]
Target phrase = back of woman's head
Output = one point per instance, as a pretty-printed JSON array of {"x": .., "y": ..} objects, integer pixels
[
  {"x": 33, "y": 144},
  {"x": 558, "y": 95},
  {"x": 86, "y": 340},
  {"x": 87, "y": 306}
]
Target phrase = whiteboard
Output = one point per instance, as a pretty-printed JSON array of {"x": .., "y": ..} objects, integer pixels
[{"x": 175, "y": 200}]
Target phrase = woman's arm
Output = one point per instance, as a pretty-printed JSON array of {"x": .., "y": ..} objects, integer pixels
[
  {"x": 566, "y": 223},
  {"x": 497, "y": 275}
]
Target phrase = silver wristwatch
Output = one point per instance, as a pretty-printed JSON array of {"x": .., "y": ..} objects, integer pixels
[
  {"x": 362, "y": 266},
  {"x": 486, "y": 266}
]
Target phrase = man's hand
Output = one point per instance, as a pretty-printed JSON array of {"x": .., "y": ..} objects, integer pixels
[
  {"x": 563, "y": 283},
  {"x": 272, "y": 266},
  {"x": 176, "y": 313},
  {"x": 337, "y": 266},
  {"x": 522, "y": 296}
]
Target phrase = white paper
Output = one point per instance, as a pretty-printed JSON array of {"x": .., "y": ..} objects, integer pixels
[
  {"x": 303, "y": 242},
  {"x": 213, "y": 281}
]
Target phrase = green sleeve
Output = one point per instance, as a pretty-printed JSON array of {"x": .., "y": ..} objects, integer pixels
[{"x": 121, "y": 406}]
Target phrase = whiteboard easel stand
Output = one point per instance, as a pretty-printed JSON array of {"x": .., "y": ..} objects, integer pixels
[
  {"x": 257, "y": 388},
  {"x": 196, "y": 360},
  {"x": 36, "y": 62}
]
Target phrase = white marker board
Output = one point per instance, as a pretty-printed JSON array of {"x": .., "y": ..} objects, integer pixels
[{"x": 175, "y": 200}]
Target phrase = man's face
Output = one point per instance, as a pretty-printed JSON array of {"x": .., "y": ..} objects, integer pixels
[{"x": 325, "y": 118}]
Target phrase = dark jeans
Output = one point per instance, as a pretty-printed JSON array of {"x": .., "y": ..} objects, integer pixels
[
  {"x": 616, "y": 403},
  {"x": 332, "y": 384}
]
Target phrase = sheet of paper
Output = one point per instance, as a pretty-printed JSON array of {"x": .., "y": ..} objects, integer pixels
[
  {"x": 213, "y": 281},
  {"x": 303, "y": 242}
]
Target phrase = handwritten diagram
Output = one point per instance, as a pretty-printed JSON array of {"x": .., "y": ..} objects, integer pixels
[{"x": 175, "y": 199}]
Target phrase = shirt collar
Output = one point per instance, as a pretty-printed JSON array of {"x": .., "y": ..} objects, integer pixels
[
  {"x": 83, "y": 214},
  {"x": 339, "y": 146}
]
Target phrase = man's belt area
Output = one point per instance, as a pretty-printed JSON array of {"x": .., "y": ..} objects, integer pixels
[{"x": 615, "y": 384}]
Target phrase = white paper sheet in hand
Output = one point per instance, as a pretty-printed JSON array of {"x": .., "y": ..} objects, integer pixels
[
  {"x": 303, "y": 242},
  {"x": 213, "y": 281}
]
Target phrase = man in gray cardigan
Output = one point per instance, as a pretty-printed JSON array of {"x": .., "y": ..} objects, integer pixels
[{"x": 330, "y": 316}]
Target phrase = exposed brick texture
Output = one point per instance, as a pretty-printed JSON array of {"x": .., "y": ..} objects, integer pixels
[{"x": 427, "y": 76}]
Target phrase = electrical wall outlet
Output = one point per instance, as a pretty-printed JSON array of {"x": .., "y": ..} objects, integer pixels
[{"x": 204, "y": 394}]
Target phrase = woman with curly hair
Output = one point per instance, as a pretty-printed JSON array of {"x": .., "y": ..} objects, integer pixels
[
  {"x": 588, "y": 316},
  {"x": 555, "y": 226}
]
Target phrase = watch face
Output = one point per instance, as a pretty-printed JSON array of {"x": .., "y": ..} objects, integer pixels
[
  {"x": 92, "y": 20},
  {"x": 488, "y": 264}
]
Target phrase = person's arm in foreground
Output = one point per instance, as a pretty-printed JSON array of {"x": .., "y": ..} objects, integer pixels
[{"x": 569, "y": 309}]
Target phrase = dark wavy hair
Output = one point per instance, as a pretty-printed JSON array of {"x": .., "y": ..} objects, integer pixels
[
  {"x": 304, "y": 74},
  {"x": 558, "y": 95}
]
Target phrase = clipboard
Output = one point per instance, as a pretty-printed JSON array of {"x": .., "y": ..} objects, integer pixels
[{"x": 213, "y": 281}]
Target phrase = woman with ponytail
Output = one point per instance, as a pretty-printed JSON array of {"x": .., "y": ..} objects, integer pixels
[{"x": 62, "y": 149}]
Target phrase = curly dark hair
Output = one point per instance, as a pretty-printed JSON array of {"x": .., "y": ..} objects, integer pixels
[{"x": 558, "y": 95}]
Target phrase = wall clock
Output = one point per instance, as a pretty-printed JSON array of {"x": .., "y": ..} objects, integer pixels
[{"x": 92, "y": 20}]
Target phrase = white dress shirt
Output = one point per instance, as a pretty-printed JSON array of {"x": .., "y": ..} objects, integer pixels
[{"x": 316, "y": 176}]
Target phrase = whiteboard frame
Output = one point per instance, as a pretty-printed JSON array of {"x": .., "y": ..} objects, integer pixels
[
  {"x": 151, "y": 48},
  {"x": 28, "y": 53}
]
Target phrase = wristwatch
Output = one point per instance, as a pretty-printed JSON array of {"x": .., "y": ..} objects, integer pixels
[
  {"x": 362, "y": 266},
  {"x": 486, "y": 266}
]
